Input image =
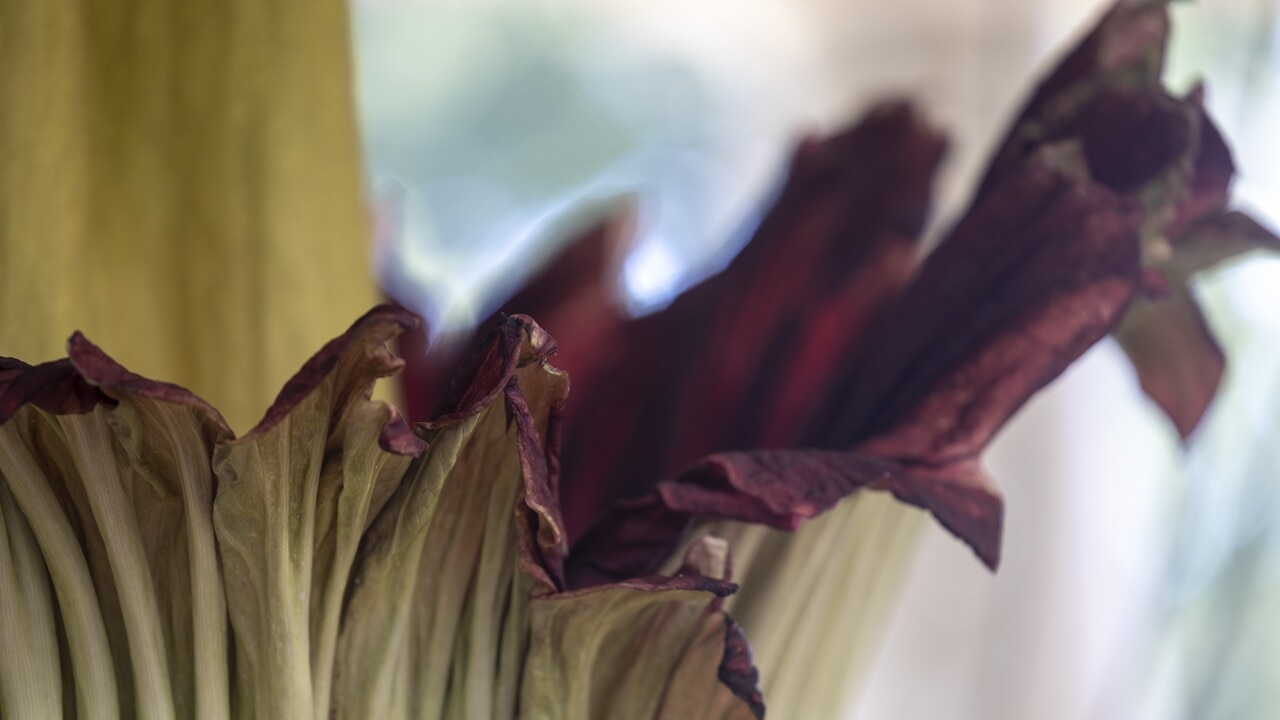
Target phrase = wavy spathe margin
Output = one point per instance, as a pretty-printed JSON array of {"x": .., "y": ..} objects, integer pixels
[
  {"x": 369, "y": 333},
  {"x": 89, "y": 377},
  {"x": 100, "y": 370},
  {"x": 738, "y": 670},
  {"x": 55, "y": 387},
  {"x": 295, "y": 568},
  {"x": 485, "y": 371}
]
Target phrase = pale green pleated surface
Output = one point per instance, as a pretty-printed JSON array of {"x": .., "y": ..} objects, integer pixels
[{"x": 814, "y": 603}]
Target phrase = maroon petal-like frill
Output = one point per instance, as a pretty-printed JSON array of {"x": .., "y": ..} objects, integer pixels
[
  {"x": 828, "y": 357},
  {"x": 1036, "y": 274},
  {"x": 825, "y": 333},
  {"x": 738, "y": 361}
]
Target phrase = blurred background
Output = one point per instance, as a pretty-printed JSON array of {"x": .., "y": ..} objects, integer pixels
[{"x": 1141, "y": 576}]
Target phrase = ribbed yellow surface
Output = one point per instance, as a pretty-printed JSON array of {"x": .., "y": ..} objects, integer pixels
[{"x": 180, "y": 180}]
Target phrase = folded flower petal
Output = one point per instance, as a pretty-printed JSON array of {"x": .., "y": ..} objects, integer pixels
[
  {"x": 1177, "y": 359},
  {"x": 295, "y": 496},
  {"x": 1031, "y": 278}
]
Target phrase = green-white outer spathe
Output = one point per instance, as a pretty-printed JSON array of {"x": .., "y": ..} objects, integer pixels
[{"x": 155, "y": 566}]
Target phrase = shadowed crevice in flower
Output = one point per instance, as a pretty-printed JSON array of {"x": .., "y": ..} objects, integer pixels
[
  {"x": 578, "y": 291},
  {"x": 737, "y": 670},
  {"x": 485, "y": 370},
  {"x": 1125, "y": 49},
  {"x": 540, "y": 535},
  {"x": 778, "y": 488}
]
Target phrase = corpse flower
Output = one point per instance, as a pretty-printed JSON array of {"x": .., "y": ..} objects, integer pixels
[{"x": 335, "y": 561}]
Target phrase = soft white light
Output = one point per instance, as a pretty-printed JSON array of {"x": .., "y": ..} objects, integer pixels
[{"x": 652, "y": 274}]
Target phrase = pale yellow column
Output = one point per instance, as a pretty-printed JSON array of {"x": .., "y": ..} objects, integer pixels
[{"x": 180, "y": 180}]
